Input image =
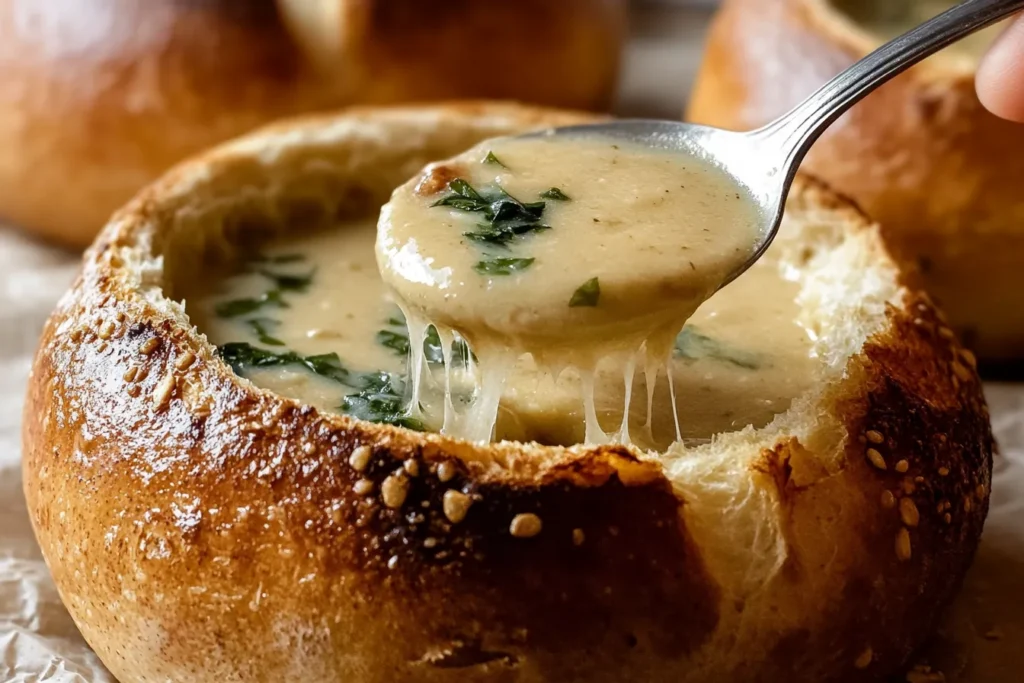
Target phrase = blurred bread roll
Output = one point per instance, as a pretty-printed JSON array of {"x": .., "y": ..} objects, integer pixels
[
  {"x": 921, "y": 154},
  {"x": 100, "y": 96}
]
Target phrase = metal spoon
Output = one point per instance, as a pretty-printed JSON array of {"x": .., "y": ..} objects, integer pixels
[{"x": 765, "y": 160}]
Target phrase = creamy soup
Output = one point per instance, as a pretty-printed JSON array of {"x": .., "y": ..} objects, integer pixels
[
  {"x": 311, "y": 318},
  {"x": 575, "y": 250},
  {"x": 892, "y": 18}
]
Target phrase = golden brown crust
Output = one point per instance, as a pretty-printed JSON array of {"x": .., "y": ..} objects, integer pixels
[
  {"x": 930, "y": 499},
  {"x": 100, "y": 96},
  {"x": 184, "y": 511},
  {"x": 921, "y": 154}
]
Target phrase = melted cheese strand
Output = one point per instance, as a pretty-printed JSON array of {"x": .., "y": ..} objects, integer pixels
[
  {"x": 628, "y": 371},
  {"x": 651, "y": 380},
  {"x": 594, "y": 433},
  {"x": 450, "y": 417},
  {"x": 482, "y": 415},
  {"x": 417, "y": 337},
  {"x": 675, "y": 406}
]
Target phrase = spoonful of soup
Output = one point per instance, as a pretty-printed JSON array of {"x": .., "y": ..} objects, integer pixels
[
  {"x": 577, "y": 244},
  {"x": 565, "y": 248}
]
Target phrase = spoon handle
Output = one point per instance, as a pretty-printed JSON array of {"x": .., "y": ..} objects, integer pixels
[{"x": 796, "y": 131}]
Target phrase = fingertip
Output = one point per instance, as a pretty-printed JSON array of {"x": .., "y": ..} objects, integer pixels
[{"x": 1000, "y": 77}]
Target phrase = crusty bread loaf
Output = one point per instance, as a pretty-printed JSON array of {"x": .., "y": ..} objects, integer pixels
[
  {"x": 202, "y": 529},
  {"x": 921, "y": 154},
  {"x": 98, "y": 97}
]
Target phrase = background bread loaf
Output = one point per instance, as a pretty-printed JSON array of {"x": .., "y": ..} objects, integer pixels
[
  {"x": 921, "y": 155},
  {"x": 98, "y": 97}
]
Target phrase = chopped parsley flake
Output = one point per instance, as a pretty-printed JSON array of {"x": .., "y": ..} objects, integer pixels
[
  {"x": 504, "y": 218},
  {"x": 492, "y": 159},
  {"x": 379, "y": 396},
  {"x": 693, "y": 345},
  {"x": 586, "y": 294},
  {"x": 503, "y": 266},
  {"x": 555, "y": 194},
  {"x": 260, "y": 329},
  {"x": 235, "y": 308}
]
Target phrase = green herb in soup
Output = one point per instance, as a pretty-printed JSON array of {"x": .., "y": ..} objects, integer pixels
[
  {"x": 283, "y": 282},
  {"x": 235, "y": 308},
  {"x": 242, "y": 357},
  {"x": 586, "y": 294},
  {"x": 503, "y": 266},
  {"x": 492, "y": 159},
  {"x": 286, "y": 282},
  {"x": 692, "y": 345},
  {"x": 504, "y": 218},
  {"x": 396, "y": 338},
  {"x": 260, "y": 327},
  {"x": 555, "y": 194},
  {"x": 381, "y": 398}
]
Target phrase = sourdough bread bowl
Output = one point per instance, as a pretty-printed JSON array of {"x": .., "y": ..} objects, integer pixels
[
  {"x": 921, "y": 154},
  {"x": 99, "y": 97},
  {"x": 200, "y": 528}
]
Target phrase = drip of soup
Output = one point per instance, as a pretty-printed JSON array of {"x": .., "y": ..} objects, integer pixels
[
  {"x": 310, "y": 318},
  {"x": 579, "y": 252}
]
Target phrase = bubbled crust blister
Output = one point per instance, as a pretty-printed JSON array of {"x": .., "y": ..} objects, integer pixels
[
  {"x": 921, "y": 154},
  {"x": 201, "y": 529}
]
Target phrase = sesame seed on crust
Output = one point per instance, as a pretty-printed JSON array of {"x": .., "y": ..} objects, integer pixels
[
  {"x": 394, "y": 490},
  {"x": 876, "y": 459},
  {"x": 446, "y": 471},
  {"x": 909, "y": 513},
  {"x": 456, "y": 505},
  {"x": 163, "y": 391},
  {"x": 149, "y": 346},
  {"x": 961, "y": 372},
  {"x": 359, "y": 460},
  {"x": 525, "y": 525},
  {"x": 903, "y": 550}
]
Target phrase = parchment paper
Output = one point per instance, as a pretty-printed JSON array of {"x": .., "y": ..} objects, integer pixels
[
  {"x": 980, "y": 641},
  {"x": 38, "y": 641}
]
